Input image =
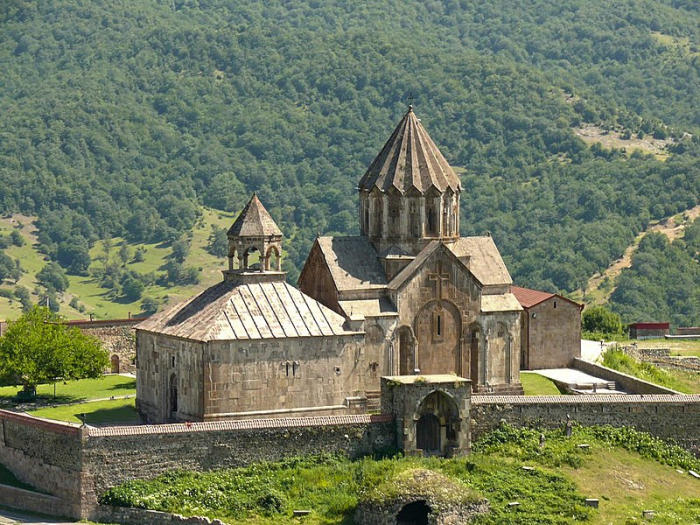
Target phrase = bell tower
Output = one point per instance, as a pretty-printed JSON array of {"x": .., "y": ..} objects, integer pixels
[
  {"x": 409, "y": 195},
  {"x": 254, "y": 245}
]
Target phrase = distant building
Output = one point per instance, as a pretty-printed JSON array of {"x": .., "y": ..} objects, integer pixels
[
  {"x": 648, "y": 330},
  {"x": 550, "y": 327}
]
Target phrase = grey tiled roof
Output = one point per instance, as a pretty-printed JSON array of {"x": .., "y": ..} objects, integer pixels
[
  {"x": 229, "y": 311},
  {"x": 410, "y": 160},
  {"x": 485, "y": 260},
  {"x": 352, "y": 262},
  {"x": 254, "y": 221}
]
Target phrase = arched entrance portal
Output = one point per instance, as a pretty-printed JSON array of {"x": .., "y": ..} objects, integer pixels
[
  {"x": 414, "y": 513},
  {"x": 438, "y": 329},
  {"x": 437, "y": 424},
  {"x": 115, "y": 363}
]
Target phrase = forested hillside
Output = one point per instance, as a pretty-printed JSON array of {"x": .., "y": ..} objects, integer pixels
[{"x": 121, "y": 118}]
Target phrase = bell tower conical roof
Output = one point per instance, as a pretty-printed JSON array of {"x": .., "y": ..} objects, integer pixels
[
  {"x": 410, "y": 160},
  {"x": 254, "y": 221}
]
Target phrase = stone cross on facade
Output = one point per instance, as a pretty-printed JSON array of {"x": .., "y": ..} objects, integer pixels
[{"x": 438, "y": 277}]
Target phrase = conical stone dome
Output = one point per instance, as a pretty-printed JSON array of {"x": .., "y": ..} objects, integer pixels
[{"x": 410, "y": 160}]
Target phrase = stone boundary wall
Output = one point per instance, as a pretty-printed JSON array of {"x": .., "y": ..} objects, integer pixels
[
  {"x": 44, "y": 454},
  {"x": 31, "y": 501},
  {"x": 662, "y": 358},
  {"x": 117, "y": 337},
  {"x": 133, "y": 516},
  {"x": 629, "y": 383},
  {"x": 671, "y": 417},
  {"x": 116, "y": 454}
]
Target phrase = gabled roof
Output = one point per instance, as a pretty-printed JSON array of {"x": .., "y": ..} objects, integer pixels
[
  {"x": 410, "y": 160},
  {"x": 254, "y": 221},
  {"x": 411, "y": 268},
  {"x": 229, "y": 311},
  {"x": 528, "y": 297},
  {"x": 485, "y": 260},
  {"x": 352, "y": 262}
]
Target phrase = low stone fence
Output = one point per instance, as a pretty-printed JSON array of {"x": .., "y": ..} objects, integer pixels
[
  {"x": 132, "y": 516},
  {"x": 670, "y": 417},
  {"x": 630, "y": 384},
  {"x": 35, "y": 502},
  {"x": 662, "y": 358}
]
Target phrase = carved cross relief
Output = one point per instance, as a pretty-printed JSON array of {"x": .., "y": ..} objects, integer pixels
[{"x": 439, "y": 277}]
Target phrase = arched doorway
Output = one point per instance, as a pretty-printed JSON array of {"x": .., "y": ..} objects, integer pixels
[
  {"x": 438, "y": 329},
  {"x": 172, "y": 397},
  {"x": 437, "y": 424},
  {"x": 428, "y": 434},
  {"x": 115, "y": 363},
  {"x": 414, "y": 513}
]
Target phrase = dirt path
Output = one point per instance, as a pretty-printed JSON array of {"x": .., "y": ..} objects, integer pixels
[{"x": 669, "y": 227}]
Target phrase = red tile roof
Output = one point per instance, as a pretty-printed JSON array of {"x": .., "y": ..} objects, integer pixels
[
  {"x": 650, "y": 326},
  {"x": 528, "y": 297}
]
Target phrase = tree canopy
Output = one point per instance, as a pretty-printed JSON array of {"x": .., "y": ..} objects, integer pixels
[
  {"x": 39, "y": 348},
  {"x": 120, "y": 119}
]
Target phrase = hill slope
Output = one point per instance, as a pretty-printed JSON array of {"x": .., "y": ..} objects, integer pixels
[{"x": 121, "y": 118}]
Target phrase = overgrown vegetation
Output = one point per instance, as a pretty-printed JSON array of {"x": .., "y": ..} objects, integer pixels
[
  {"x": 119, "y": 120},
  {"x": 332, "y": 486},
  {"x": 597, "y": 322},
  {"x": 688, "y": 383}
]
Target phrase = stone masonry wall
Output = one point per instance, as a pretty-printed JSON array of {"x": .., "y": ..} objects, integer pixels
[
  {"x": 43, "y": 454},
  {"x": 630, "y": 384},
  {"x": 673, "y": 417},
  {"x": 116, "y": 454}
]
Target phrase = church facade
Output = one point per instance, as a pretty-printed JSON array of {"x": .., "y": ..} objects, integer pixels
[{"x": 406, "y": 297}]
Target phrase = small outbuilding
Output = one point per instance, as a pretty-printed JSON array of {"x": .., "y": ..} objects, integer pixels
[
  {"x": 550, "y": 329},
  {"x": 420, "y": 497},
  {"x": 648, "y": 330}
]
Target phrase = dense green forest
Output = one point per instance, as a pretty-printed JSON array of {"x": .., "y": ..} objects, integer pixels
[
  {"x": 663, "y": 283},
  {"x": 120, "y": 118}
]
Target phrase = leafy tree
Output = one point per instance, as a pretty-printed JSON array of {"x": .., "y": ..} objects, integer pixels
[
  {"x": 598, "y": 319},
  {"x": 217, "y": 243},
  {"x": 74, "y": 255},
  {"x": 24, "y": 297},
  {"x": 52, "y": 276},
  {"x": 181, "y": 249},
  {"x": 16, "y": 238},
  {"x": 124, "y": 253},
  {"x": 9, "y": 268},
  {"x": 38, "y": 348},
  {"x": 149, "y": 305},
  {"x": 132, "y": 288}
]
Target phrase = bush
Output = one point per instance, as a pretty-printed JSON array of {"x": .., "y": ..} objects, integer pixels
[
  {"x": 16, "y": 238},
  {"x": 600, "y": 319}
]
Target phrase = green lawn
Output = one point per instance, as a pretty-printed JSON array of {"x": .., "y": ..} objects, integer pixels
[
  {"x": 96, "y": 412},
  {"x": 686, "y": 382},
  {"x": 80, "y": 390},
  {"x": 537, "y": 385}
]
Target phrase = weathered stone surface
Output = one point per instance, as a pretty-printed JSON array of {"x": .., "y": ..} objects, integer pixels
[{"x": 414, "y": 492}]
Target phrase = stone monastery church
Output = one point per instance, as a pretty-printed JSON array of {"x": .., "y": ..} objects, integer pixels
[{"x": 407, "y": 297}]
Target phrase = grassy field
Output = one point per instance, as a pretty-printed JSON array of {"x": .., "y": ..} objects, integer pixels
[
  {"x": 537, "y": 385},
  {"x": 98, "y": 300},
  {"x": 117, "y": 411},
  {"x": 553, "y": 491},
  {"x": 677, "y": 346},
  {"x": 686, "y": 382},
  {"x": 80, "y": 390}
]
